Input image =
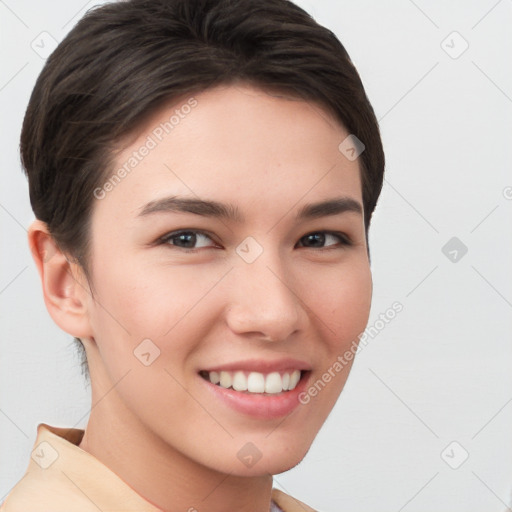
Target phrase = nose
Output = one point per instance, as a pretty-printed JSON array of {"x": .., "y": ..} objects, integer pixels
[{"x": 263, "y": 301}]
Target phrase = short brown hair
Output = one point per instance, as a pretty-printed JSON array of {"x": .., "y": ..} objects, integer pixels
[{"x": 123, "y": 60}]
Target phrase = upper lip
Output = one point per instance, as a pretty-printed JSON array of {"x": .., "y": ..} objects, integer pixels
[{"x": 260, "y": 365}]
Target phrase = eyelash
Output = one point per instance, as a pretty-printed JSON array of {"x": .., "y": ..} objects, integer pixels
[{"x": 344, "y": 239}]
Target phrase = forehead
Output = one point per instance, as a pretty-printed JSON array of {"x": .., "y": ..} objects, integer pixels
[{"x": 233, "y": 143}]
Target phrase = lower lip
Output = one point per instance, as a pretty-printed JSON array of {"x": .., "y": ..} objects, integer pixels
[{"x": 259, "y": 405}]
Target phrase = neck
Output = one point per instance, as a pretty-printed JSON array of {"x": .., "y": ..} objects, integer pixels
[{"x": 158, "y": 472}]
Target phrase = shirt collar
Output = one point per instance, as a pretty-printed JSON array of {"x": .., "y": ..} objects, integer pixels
[{"x": 59, "y": 468}]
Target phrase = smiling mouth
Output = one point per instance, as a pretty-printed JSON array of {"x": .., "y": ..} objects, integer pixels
[{"x": 272, "y": 383}]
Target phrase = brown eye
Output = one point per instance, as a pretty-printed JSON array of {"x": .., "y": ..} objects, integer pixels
[
  {"x": 320, "y": 238},
  {"x": 185, "y": 239}
]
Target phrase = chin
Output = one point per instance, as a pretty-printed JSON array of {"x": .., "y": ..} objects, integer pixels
[{"x": 274, "y": 460}]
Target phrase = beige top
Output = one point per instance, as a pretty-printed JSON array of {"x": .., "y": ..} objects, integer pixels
[{"x": 60, "y": 473}]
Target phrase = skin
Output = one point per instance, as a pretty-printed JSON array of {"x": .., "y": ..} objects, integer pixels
[{"x": 154, "y": 426}]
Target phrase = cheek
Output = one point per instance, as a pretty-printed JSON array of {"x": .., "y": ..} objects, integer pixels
[
  {"x": 137, "y": 301},
  {"x": 343, "y": 304}
]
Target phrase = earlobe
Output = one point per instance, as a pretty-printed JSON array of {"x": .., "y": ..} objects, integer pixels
[{"x": 66, "y": 293}]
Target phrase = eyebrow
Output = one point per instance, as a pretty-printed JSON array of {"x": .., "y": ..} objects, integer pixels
[{"x": 205, "y": 208}]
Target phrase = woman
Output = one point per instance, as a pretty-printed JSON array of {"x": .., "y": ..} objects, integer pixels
[{"x": 203, "y": 175}]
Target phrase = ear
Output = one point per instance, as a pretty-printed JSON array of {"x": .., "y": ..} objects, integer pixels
[{"x": 65, "y": 289}]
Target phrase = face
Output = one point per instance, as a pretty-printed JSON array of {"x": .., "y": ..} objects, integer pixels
[{"x": 194, "y": 303}]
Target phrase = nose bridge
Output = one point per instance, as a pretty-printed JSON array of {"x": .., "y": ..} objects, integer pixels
[{"x": 265, "y": 300}]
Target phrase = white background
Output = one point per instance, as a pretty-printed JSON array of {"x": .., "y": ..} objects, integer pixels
[{"x": 441, "y": 371}]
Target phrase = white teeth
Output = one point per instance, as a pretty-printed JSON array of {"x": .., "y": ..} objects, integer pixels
[
  {"x": 225, "y": 379},
  {"x": 214, "y": 377},
  {"x": 286, "y": 382},
  {"x": 273, "y": 383},
  {"x": 294, "y": 379},
  {"x": 256, "y": 382},
  {"x": 240, "y": 381}
]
